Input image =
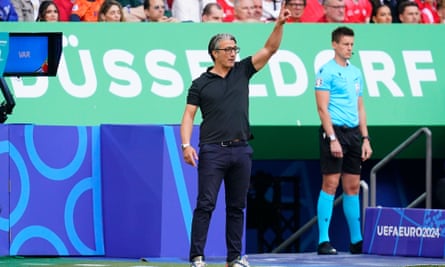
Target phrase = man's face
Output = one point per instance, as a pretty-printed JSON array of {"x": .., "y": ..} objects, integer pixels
[
  {"x": 225, "y": 54},
  {"x": 156, "y": 10},
  {"x": 258, "y": 9},
  {"x": 244, "y": 10},
  {"x": 216, "y": 15},
  {"x": 343, "y": 48},
  {"x": 334, "y": 10},
  {"x": 411, "y": 14},
  {"x": 296, "y": 8}
]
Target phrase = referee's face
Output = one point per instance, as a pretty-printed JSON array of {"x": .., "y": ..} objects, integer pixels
[{"x": 343, "y": 48}]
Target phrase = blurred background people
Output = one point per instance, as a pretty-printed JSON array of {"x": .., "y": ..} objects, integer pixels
[
  {"x": 334, "y": 11},
  {"x": 133, "y": 10},
  {"x": 441, "y": 11},
  {"x": 243, "y": 11},
  {"x": 64, "y": 8},
  {"x": 25, "y": 9},
  {"x": 212, "y": 12},
  {"x": 381, "y": 13},
  {"x": 428, "y": 11},
  {"x": 85, "y": 10},
  {"x": 258, "y": 10},
  {"x": 409, "y": 12},
  {"x": 271, "y": 9},
  {"x": 296, "y": 8},
  {"x": 186, "y": 10},
  {"x": 155, "y": 12},
  {"x": 111, "y": 11},
  {"x": 48, "y": 12},
  {"x": 358, "y": 11},
  {"x": 7, "y": 11},
  {"x": 228, "y": 9}
]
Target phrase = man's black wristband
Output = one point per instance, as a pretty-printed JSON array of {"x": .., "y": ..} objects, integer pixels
[{"x": 366, "y": 137}]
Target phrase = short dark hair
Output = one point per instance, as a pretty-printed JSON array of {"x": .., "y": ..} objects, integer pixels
[
  {"x": 403, "y": 5},
  {"x": 207, "y": 9},
  {"x": 340, "y": 32},
  {"x": 214, "y": 42}
]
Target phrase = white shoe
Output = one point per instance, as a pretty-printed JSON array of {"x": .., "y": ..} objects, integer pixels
[
  {"x": 198, "y": 262},
  {"x": 240, "y": 262}
]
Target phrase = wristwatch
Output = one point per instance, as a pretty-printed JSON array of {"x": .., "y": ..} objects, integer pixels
[
  {"x": 332, "y": 137},
  {"x": 366, "y": 137},
  {"x": 184, "y": 146}
]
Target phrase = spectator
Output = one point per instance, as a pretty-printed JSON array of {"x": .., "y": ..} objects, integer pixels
[
  {"x": 133, "y": 10},
  {"x": 296, "y": 8},
  {"x": 243, "y": 11},
  {"x": 64, "y": 7},
  {"x": 7, "y": 11},
  {"x": 441, "y": 11},
  {"x": 48, "y": 12},
  {"x": 334, "y": 11},
  {"x": 409, "y": 12},
  {"x": 86, "y": 10},
  {"x": 358, "y": 11},
  {"x": 212, "y": 12},
  {"x": 155, "y": 12},
  {"x": 111, "y": 11},
  {"x": 313, "y": 11},
  {"x": 428, "y": 11},
  {"x": 186, "y": 10},
  {"x": 271, "y": 9},
  {"x": 381, "y": 13},
  {"x": 227, "y": 6},
  {"x": 25, "y": 10},
  {"x": 258, "y": 10},
  {"x": 35, "y": 5}
]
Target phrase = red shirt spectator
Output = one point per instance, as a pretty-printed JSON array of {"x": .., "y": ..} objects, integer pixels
[
  {"x": 312, "y": 12},
  {"x": 227, "y": 6},
  {"x": 64, "y": 7},
  {"x": 358, "y": 11},
  {"x": 428, "y": 11}
]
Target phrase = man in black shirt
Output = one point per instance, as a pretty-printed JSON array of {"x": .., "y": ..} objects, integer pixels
[{"x": 222, "y": 94}]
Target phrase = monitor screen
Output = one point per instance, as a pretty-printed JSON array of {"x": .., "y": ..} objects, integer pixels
[
  {"x": 28, "y": 55},
  {"x": 33, "y": 54}
]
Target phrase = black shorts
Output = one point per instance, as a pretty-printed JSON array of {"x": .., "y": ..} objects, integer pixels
[{"x": 351, "y": 143}]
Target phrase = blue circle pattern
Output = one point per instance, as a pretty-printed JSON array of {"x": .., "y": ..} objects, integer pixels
[
  {"x": 14, "y": 154},
  {"x": 52, "y": 173},
  {"x": 81, "y": 187},
  {"x": 37, "y": 231}
]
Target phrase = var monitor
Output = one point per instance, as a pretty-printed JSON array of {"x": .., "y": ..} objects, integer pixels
[{"x": 33, "y": 54}]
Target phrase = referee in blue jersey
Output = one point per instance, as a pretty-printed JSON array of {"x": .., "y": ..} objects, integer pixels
[{"x": 344, "y": 139}]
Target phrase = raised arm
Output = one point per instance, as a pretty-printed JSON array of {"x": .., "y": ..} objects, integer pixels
[{"x": 273, "y": 42}]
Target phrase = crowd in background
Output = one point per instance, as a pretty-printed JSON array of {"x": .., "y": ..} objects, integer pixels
[{"x": 260, "y": 11}]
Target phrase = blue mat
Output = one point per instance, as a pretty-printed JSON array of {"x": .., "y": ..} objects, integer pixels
[{"x": 343, "y": 259}]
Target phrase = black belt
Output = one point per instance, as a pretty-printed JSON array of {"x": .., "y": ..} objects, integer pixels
[
  {"x": 345, "y": 128},
  {"x": 234, "y": 142}
]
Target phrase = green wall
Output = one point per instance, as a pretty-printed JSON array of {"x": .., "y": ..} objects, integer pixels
[{"x": 139, "y": 73}]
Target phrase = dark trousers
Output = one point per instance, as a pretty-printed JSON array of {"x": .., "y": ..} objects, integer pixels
[{"x": 233, "y": 165}]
